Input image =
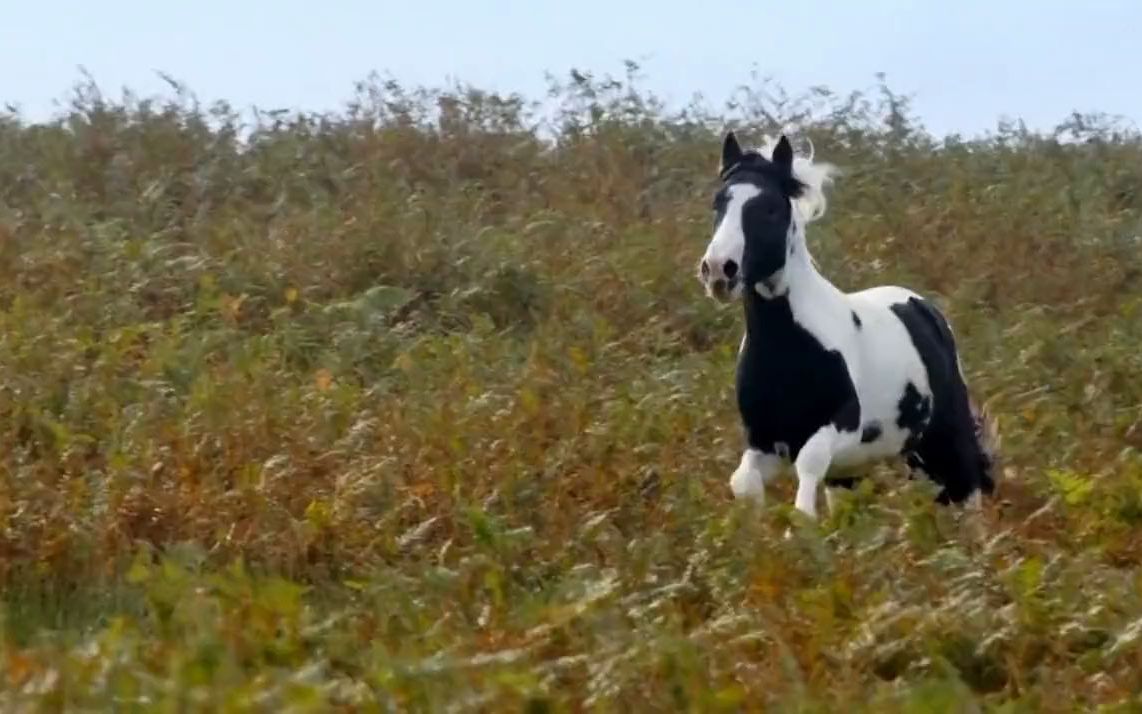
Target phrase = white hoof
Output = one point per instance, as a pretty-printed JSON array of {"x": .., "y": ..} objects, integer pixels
[
  {"x": 747, "y": 481},
  {"x": 807, "y": 507}
]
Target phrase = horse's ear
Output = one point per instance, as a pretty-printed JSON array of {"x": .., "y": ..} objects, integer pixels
[
  {"x": 783, "y": 154},
  {"x": 731, "y": 151}
]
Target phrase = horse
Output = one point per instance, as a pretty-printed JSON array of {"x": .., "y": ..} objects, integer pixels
[{"x": 827, "y": 379}]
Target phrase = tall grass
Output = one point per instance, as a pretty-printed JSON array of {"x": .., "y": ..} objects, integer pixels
[{"x": 418, "y": 406}]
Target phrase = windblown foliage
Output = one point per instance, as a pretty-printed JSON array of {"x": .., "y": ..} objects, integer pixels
[{"x": 418, "y": 406}]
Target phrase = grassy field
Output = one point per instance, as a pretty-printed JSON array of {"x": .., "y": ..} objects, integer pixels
[{"x": 419, "y": 406}]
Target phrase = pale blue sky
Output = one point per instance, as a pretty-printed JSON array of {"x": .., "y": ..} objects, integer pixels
[{"x": 968, "y": 62}]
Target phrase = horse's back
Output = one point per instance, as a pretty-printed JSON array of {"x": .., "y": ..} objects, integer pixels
[{"x": 883, "y": 296}]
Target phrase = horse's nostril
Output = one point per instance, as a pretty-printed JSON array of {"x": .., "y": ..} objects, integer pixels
[
  {"x": 730, "y": 269},
  {"x": 705, "y": 269}
]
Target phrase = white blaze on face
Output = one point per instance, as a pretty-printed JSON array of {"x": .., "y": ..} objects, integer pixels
[{"x": 728, "y": 242}]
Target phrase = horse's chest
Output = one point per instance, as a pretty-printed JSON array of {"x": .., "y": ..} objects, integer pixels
[{"x": 788, "y": 387}]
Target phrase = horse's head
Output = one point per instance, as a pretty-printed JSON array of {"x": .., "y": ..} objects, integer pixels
[{"x": 760, "y": 209}]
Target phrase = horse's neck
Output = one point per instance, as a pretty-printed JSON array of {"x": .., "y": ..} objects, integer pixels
[
  {"x": 812, "y": 302},
  {"x": 808, "y": 287}
]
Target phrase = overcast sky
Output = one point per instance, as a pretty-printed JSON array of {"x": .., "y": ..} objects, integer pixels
[{"x": 967, "y": 63}]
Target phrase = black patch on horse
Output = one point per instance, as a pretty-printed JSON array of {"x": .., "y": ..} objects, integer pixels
[
  {"x": 788, "y": 384},
  {"x": 871, "y": 433},
  {"x": 913, "y": 410}
]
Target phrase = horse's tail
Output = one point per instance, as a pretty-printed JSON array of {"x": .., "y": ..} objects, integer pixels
[{"x": 989, "y": 441}]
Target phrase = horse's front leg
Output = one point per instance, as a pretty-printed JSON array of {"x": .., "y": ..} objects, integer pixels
[
  {"x": 813, "y": 463},
  {"x": 755, "y": 470}
]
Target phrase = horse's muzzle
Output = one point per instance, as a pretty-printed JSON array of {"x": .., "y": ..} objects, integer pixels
[{"x": 723, "y": 290}]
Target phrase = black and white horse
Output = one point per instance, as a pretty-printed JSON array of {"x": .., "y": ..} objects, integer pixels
[{"x": 827, "y": 378}]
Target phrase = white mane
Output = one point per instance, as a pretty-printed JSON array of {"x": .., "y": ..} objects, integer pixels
[{"x": 811, "y": 204}]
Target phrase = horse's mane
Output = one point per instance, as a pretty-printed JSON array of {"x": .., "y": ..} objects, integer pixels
[{"x": 811, "y": 203}]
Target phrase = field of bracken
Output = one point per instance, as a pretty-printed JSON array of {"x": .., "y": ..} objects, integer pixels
[{"x": 418, "y": 406}]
